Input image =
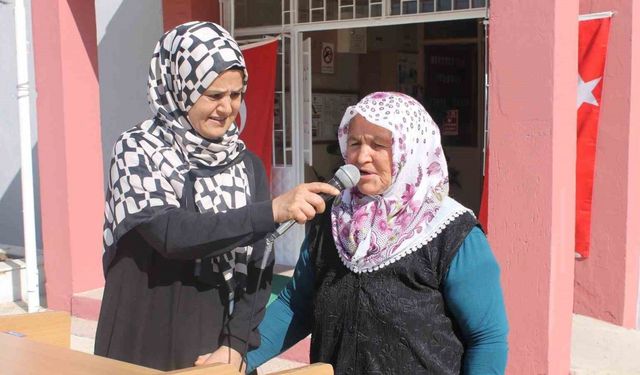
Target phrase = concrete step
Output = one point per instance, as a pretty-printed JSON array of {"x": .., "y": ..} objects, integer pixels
[
  {"x": 599, "y": 348},
  {"x": 13, "y": 274},
  {"x": 13, "y": 308},
  {"x": 86, "y": 305}
]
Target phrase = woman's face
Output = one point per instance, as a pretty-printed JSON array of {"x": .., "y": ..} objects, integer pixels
[
  {"x": 369, "y": 149},
  {"x": 217, "y": 108}
]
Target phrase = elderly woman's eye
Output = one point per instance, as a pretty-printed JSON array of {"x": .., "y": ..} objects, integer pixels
[{"x": 235, "y": 95}]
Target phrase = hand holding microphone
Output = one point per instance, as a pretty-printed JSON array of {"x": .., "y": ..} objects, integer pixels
[{"x": 301, "y": 203}]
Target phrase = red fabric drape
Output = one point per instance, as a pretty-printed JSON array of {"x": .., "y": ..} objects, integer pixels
[{"x": 256, "y": 115}]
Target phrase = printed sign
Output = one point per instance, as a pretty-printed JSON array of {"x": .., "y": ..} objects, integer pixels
[
  {"x": 328, "y": 55},
  {"x": 450, "y": 125}
]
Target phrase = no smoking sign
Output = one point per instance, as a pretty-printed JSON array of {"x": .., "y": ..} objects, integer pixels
[{"x": 328, "y": 57}]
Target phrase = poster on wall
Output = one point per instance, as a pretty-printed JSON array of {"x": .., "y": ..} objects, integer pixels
[
  {"x": 352, "y": 40},
  {"x": 326, "y": 114},
  {"x": 328, "y": 57},
  {"x": 408, "y": 74}
]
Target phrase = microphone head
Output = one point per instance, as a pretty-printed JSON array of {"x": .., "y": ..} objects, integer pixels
[{"x": 348, "y": 175}]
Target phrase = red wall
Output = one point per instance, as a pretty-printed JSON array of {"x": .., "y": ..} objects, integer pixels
[{"x": 176, "y": 12}]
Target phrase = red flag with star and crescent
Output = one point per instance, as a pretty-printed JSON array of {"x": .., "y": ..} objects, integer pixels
[
  {"x": 256, "y": 112},
  {"x": 592, "y": 51}
]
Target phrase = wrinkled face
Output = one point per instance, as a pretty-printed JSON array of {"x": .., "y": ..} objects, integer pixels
[
  {"x": 369, "y": 149},
  {"x": 217, "y": 108}
]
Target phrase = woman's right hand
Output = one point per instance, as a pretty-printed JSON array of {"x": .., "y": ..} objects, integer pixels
[{"x": 302, "y": 202}]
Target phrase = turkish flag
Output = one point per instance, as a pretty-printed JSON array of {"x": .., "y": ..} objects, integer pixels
[
  {"x": 256, "y": 112},
  {"x": 592, "y": 51}
]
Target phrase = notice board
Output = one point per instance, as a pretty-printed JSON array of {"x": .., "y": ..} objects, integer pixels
[{"x": 326, "y": 113}]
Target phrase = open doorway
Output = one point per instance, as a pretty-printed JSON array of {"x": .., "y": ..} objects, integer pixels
[{"x": 441, "y": 64}]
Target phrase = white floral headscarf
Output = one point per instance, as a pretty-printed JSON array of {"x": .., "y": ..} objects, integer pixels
[{"x": 371, "y": 232}]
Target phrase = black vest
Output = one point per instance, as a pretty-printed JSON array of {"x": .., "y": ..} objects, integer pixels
[{"x": 390, "y": 321}]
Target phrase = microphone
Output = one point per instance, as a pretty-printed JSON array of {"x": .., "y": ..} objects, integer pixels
[{"x": 346, "y": 177}]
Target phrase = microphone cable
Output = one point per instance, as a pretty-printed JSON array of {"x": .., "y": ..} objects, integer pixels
[{"x": 268, "y": 248}]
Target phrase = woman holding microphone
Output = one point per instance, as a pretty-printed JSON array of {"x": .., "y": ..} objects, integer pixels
[{"x": 187, "y": 210}]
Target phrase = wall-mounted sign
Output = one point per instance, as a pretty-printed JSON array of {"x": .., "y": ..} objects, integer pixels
[
  {"x": 328, "y": 56},
  {"x": 450, "y": 124},
  {"x": 352, "y": 40}
]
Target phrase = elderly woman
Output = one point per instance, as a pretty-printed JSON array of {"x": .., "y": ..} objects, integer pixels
[
  {"x": 397, "y": 278},
  {"x": 187, "y": 210}
]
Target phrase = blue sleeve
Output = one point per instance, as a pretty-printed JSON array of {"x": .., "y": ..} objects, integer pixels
[
  {"x": 288, "y": 318},
  {"x": 473, "y": 295}
]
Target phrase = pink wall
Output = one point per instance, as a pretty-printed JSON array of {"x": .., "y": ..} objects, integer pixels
[
  {"x": 69, "y": 148},
  {"x": 632, "y": 293},
  {"x": 606, "y": 285},
  {"x": 71, "y": 183},
  {"x": 533, "y": 60},
  {"x": 176, "y": 12}
]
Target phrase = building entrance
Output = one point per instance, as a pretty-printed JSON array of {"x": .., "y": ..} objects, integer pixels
[{"x": 441, "y": 64}]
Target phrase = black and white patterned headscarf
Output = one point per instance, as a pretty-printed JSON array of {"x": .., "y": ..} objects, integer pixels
[{"x": 163, "y": 162}]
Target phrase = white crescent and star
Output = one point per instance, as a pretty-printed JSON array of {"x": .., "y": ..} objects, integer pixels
[{"x": 585, "y": 91}]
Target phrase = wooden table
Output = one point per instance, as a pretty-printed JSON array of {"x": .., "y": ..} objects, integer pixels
[
  {"x": 39, "y": 344},
  {"x": 49, "y": 327},
  {"x": 20, "y": 355}
]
